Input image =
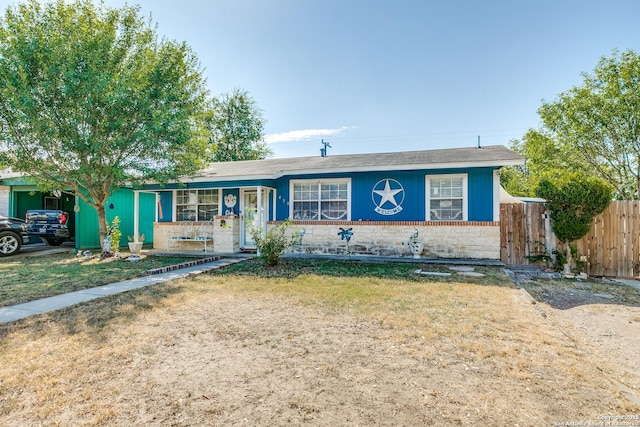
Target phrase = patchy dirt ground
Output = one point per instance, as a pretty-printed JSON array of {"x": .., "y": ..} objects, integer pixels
[
  {"x": 246, "y": 351},
  {"x": 600, "y": 315}
]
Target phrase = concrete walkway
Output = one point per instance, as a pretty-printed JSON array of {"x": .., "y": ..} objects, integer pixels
[
  {"x": 629, "y": 282},
  {"x": 21, "y": 311}
]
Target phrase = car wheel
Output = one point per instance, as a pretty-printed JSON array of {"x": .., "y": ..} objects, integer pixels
[
  {"x": 54, "y": 242},
  {"x": 9, "y": 243}
]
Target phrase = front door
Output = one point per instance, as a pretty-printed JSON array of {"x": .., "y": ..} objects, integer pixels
[{"x": 248, "y": 217}]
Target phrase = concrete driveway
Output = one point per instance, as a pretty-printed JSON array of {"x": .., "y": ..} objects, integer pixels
[{"x": 39, "y": 249}]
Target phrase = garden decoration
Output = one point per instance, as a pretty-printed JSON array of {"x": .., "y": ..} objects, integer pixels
[
  {"x": 230, "y": 201},
  {"x": 416, "y": 246},
  {"x": 346, "y": 235},
  {"x": 299, "y": 237},
  {"x": 106, "y": 248},
  {"x": 135, "y": 244}
]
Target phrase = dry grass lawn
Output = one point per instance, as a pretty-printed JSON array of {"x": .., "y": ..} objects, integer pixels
[{"x": 240, "y": 350}]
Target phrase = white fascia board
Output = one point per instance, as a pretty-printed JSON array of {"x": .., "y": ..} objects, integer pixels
[
  {"x": 404, "y": 167},
  {"x": 225, "y": 178},
  {"x": 381, "y": 168}
]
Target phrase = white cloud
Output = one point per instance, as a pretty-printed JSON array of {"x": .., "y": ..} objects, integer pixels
[{"x": 302, "y": 135}]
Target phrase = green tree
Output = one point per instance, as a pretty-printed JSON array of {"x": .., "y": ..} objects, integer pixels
[
  {"x": 91, "y": 99},
  {"x": 237, "y": 128},
  {"x": 598, "y": 122},
  {"x": 545, "y": 158},
  {"x": 573, "y": 201}
]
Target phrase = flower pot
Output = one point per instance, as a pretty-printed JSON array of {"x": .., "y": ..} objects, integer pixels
[{"x": 135, "y": 247}]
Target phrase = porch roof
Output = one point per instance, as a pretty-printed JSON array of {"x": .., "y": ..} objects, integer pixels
[{"x": 490, "y": 156}]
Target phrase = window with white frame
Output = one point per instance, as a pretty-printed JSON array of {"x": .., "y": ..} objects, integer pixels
[
  {"x": 196, "y": 205},
  {"x": 320, "y": 200},
  {"x": 447, "y": 197}
]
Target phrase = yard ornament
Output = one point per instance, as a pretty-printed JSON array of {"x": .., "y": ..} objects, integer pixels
[{"x": 345, "y": 235}]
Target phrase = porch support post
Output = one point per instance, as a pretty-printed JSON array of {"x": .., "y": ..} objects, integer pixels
[
  {"x": 136, "y": 215},
  {"x": 496, "y": 195},
  {"x": 157, "y": 207},
  {"x": 274, "y": 199},
  {"x": 259, "y": 213}
]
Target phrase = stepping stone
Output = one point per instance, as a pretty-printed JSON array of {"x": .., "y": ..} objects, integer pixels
[
  {"x": 432, "y": 273},
  {"x": 470, "y": 274},
  {"x": 462, "y": 268}
]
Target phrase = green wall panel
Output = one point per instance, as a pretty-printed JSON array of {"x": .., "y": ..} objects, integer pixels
[
  {"x": 86, "y": 226},
  {"x": 147, "y": 216},
  {"x": 25, "y": 200},
  {"x": 123, "y": 204}
]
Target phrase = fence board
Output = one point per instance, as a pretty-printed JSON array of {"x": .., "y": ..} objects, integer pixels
[
  {"x": 522, "y": 231},
  {"x": 635, "y": 238},
  {"x": 612, "y": 246}
]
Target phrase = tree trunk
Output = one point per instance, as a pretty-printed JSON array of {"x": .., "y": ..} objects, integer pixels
[
  {"x": 102, "y": 222},
  {"x": 567, "y": 266}
]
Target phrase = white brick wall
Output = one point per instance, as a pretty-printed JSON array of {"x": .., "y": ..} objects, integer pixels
[{"x": 441, "y": 240}]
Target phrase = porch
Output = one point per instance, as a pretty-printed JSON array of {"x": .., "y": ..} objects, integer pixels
[{"x": 222, "y": 235}]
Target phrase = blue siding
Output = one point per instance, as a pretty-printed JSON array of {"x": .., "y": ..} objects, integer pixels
[
  {"x": 480, "y": 187},
  {"x": 166, "y": 207},
  {"x": 412, "y": 199},
  {"x": 282, "y": 199},
  {"x": 363, "y": 205},
  {"x": 235, "y": 192}
]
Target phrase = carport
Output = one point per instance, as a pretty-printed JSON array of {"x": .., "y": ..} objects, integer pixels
[{"x": 136, "y": 209}]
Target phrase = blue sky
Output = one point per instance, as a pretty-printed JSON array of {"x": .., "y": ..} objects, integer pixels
[{"x": 380, "y": 75}]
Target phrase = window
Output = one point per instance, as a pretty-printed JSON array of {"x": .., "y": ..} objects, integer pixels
[
  {"x": 447, "y": 197},
  {"x": 196, "y": 205},
  {"x": 326, "y": 200}
]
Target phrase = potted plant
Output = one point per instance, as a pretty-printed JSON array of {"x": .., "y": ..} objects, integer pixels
[{"x": 135, "y": 243}]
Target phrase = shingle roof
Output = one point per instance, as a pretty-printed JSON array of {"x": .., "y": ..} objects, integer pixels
[{"x": 494, "y": 155}]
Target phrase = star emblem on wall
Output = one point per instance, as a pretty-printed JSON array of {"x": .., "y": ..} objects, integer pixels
[{"x": 388, "y": 195}]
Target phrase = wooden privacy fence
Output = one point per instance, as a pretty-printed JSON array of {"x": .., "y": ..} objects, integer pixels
[
  {"x": 523, "y": 231},
  {"x": 611, "y": 248}
]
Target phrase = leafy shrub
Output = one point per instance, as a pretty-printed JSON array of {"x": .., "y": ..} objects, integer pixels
[
  {"x": 272, "y": 245},
  {"x": 573, "y": 201},
  {"x": 115, "y": 233},
  {"x": 539, "y": 253},
  {"x": 573, "y": 204}
]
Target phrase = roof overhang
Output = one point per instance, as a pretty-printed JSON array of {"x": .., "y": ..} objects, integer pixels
[{"x": 380, "y": 168}]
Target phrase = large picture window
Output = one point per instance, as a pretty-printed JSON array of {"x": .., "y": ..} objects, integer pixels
[
  {"x": 326, "y": 200},
  {"x": 447, "y": 197},
  {"x": 196, "y": 205}
]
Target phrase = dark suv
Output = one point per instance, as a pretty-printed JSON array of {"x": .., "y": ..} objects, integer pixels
[
  {"x": 13, "y": 234},
  {"x": 51, "y": 225}
]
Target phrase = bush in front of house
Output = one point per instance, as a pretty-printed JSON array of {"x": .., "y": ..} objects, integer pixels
[
  {"x": 272, "y": 245},
  {"x": 573, "y": 201}
]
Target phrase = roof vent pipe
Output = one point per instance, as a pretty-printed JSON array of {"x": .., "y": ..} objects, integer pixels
[
  {"x": 479, "y": 146},
  {"x": 323, "y": 150}
]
